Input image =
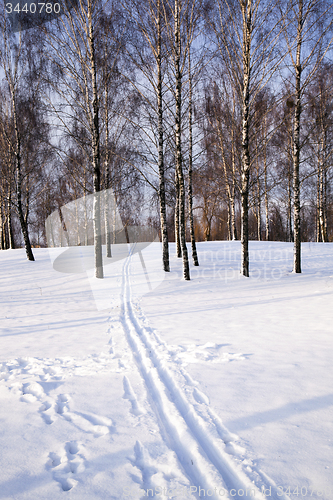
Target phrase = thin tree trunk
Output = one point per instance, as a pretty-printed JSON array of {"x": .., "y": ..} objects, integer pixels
[
  {"x": 296, "y": 145},
  {"x": 247, "y": 25},
  {"x": 265, "y": 184},
  {"x": 161, "y": 191},
  {"x": 323, "y": 233},
  {"x": 179, "y": 168},
  {"x": 96, "y": 153},
  {"x": 2, "y": 245},
  {"x": 233, "y": 217},
  {"x": 4, "y": 230},
  {"x": 24, "y": 226},
  {"x": 233, "y": 183},
  {"x": 27, "y": 200},
  {"x": 322, "y": 200},
  {"x": 290, "y": 224},
  {"x": 208, "y": 229},
  {"x": 114, "y": 228},
  {"x": 266, "y": 203},
  {"x": 107, "y": 179},
  {"x": 9, "y": 221},
  {"x": 258, "y": 199},
  {"x": 229, "y": 222},
  {"x": 259, "y": 213},
  {"x": 86, "y": 229},
  {"x": 177, "y": 233},
  {"x": 318, "y": 232},
  {"x": 107, "y": 219},
  {"x": 78, "y": 239},
  {"x": 245, "y": 223},
  {"x": 190, "y": 164},
  {"x": 325, "y": 202},
  {"x": 228, "y": 189},
  {"x": 64, "y": 228}
]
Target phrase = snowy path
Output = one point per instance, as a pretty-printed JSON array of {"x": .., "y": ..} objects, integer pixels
[{"x": 201, "y": 442}]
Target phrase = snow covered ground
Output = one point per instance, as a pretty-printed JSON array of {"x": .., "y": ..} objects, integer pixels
[{"x": 221, "y": 387}]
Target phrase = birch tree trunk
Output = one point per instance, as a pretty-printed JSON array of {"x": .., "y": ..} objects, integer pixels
[
  {"x": 233, "y": 182},
  {"x": 323, "y": 231},
  {"x": 290, "y": 224},
  {"x": 177, "y": 231},
  {"x": 321, "y": 174},
  {"x": 86, "y": 236},
  {"x": 107, "y": 179},
  {"x": 161, "y": 192},
  {"x": 24, "y": 226},
  {"x": 247, "y": 27},
  {"x": 190, "y": 164},
  {"x": 95, "y": 151},
  {"x": 2, "y": 243},
  {"x": 266, "y": 201},
  {"x": 318, "y": 233},
  {"x": 296, "y": 144},
  {"x": 325, "y": 202},
  {"x": 9, "y": 220},
  {"x": 267, "y": 228},
  {"x": 179, "y": 167},
  {"x": 258, "y": 207}
]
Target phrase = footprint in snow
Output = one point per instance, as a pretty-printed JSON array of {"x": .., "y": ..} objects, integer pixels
[
  {"x": 50, "y": 409},
  {"x": 31, "y": 392},
  {"x": 130, "y": 395},
  {"x": 209, "y": 352},
  {"x": 200, "y": 397},
  {"x": 234, "y": 449},
  {"x": 188, "y": 378},
  {"x": 62, "y": 405},
  {"x": 144, "y": 463},
  {"x": 156, "y": 472},
  {"x": 111, "y": 348},
  {"x": 89, "y": 422},
  {"x": 227, "y": 437},
  {"x": 47, "y": 417},
  {"x": 69, "y": 462}
]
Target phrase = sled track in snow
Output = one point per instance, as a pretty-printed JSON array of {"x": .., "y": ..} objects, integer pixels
[{"x": 199, "y": 453}]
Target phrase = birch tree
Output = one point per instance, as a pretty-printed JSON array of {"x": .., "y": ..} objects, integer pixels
[
  {"x": 179, "y": 42},
  {"x": 308, "y": 36},
  {"x": 73, "y": 48},
  {"x": 319, "y": 118},
  {"x": 11, "y": 60},
  {"x": 149, "y": 21},
  {"x": 23, "y": 127},
  {"x": 178, "y": 69},
  {"x": 247, "y": 33},
  {"x": 222, "y": 113},
  {"x": 197, "y": 61}
]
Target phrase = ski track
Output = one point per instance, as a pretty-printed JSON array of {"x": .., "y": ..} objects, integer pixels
[
  {"x": 204, "y": 457},
  {"x": 196, "y": 440}
]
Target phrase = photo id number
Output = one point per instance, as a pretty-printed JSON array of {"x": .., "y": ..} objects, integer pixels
[{"x": 34, "y": 8}]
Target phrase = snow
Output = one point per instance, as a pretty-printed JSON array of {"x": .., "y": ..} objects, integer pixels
[{"x": 144, "y": 385}]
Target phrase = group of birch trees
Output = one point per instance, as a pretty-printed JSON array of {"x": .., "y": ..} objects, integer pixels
[{"x": 206, "y": 117}]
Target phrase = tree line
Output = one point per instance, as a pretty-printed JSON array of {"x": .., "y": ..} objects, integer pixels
[{"x": 208, "y": 119}]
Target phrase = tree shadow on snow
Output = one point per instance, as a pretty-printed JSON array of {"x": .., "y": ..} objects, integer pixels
[{"x": 281, "y": 413}]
